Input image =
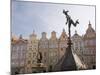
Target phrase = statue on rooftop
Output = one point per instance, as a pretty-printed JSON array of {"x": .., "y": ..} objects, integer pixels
[{"x": 69, "y": 21}]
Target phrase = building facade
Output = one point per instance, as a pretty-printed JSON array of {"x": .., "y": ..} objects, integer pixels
[
  {"x": 18, "y": 55},
  {"x": 63, "y": 40},
  {"x": 90, "y": 47},
  {"x": 77, "y": 49},
  {"x": 53, "y": 50},
  {"x": 78, "y": 45},
  {"x": 24, "y": 53},
  {"x": 44, "y": 50},
  {"x": 32, "y": 52}
]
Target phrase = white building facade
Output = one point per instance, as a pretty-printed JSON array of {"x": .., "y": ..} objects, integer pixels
[
  {"x": 18, "y": 54},
  {"x": 78, "y": 45},
  {"x": 90, "y": 47}
]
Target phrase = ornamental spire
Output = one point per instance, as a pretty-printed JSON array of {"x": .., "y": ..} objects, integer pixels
[
  {"x": 20, "y": 37},
  {"x": 75, "y": 31},
  {"x": 89, "y": 24},
  {"x": 33, "y": 31},
  {"x": 63, "y": 30}
]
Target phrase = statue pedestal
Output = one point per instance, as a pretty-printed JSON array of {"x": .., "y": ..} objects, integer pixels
[
  {"x": 67, "y": 62},
  {"x": 39, "y": 68}
]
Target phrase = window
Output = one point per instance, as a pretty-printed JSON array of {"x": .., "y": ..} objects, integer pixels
[
  {"x": 33, "y": 61},
  {"x": 34, "y": 54},
  {"x": 31, "y": 42},
  {"x": 51, "y": 54},
  {"x": 61, "y": 49},
  {"x": 22, "y": 62},
  {"x": 45, "y": 60},
  {"x": 44, "y": 54},
  {"x": 29, "y": 55},
  {"x": 63, "y": 36},
  {"x": 29, "y": 62},
  {"x": 30, "y": 48},
  {"x": 12, "y": 63}
]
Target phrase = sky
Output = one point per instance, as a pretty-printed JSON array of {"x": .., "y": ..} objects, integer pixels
[{"x": 28, "y": 16}]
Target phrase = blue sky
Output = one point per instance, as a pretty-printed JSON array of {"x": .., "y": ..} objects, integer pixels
[{"x": 46, "y": 17}]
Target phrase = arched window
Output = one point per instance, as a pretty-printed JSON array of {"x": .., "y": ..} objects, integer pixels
[
  {"x": 61, "y": 49},
  {"x": 34, "y": 54},
  {"x": 29, "y": 61}
]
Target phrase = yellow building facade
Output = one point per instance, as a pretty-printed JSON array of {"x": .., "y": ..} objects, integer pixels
[
  {"x": 53, "y": 50},
  {"x": 44, "y": 50},
  {"x": 32, "y": 52}
]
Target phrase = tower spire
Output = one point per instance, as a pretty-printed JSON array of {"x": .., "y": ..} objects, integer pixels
[
  {"x": 75, "y": 31},
  {"x": 63, "y": 30},
  {"x": 89, "y": 24},
  {"x": 33, "y": 31},
  {"x": 20, "y": 37}
]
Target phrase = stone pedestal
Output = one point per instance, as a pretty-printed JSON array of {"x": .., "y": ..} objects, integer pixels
[
  {"x": 40, "y": 67},
  {"x": 67, "y": 62}
]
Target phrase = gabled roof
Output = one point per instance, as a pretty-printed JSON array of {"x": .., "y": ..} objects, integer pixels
[
  {"x": 63, "y": 36},
  {"x": 89, "y": 32},
  {"x": 19, "y": 40},
  {"x": 76, "y": 35}
]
